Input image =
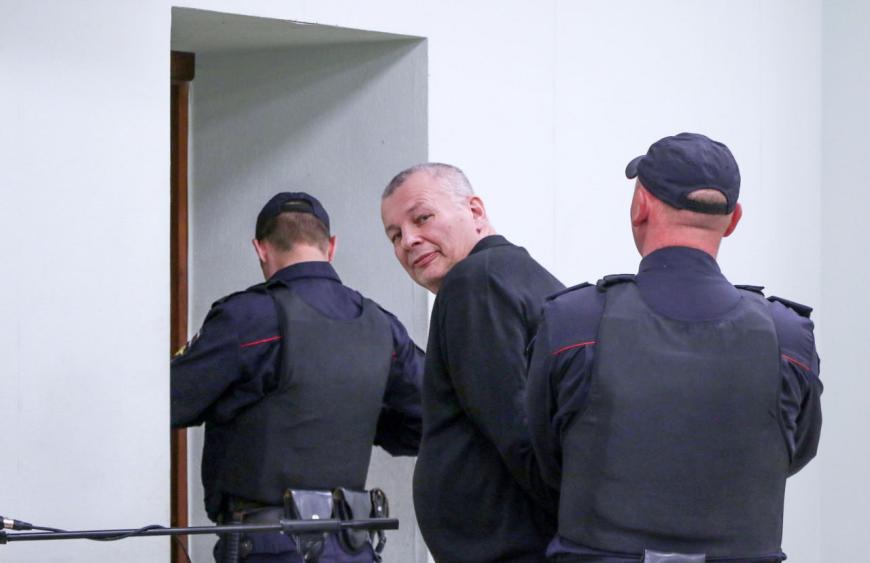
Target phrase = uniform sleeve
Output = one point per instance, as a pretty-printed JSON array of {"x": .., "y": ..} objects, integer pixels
[
  {"x": 401, "y": 421},
  {"x": 484, "y": 336},
  {"x": 807, "y": 421},
  {"x": 800, "y": 395},
  {"x": 541, "y": 407},
  {"x": 221, "y": 371},
  {"x": 205, "y": 368},
  {"x": 558, "y": 388}
]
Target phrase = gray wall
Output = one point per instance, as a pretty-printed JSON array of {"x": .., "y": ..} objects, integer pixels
[{"x": 336, "y": 120}]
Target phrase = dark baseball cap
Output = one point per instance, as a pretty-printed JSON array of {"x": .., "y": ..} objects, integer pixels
[
  {"x": 299, "y": 202},
  {"x": 676, "y": 166}
]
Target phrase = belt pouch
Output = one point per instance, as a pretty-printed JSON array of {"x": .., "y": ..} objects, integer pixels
[
  {"x": 308, "y": 505},
  {"x": 351, "y": 505}
]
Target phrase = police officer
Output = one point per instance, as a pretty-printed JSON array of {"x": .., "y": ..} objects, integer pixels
[
  {"x": 478, "y": 493},
  {"x": 295, "y": 378},
  {"x": 670, "y": 407}
]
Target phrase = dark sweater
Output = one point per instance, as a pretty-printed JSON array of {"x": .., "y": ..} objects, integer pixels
[{"x": 477, "y": 490}]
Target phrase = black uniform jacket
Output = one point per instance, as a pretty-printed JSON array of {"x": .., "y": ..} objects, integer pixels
[
  {"x": 477, "y": 489},
  {"x": 234, "y": 358},
  {"x": 679, "y": 283}
]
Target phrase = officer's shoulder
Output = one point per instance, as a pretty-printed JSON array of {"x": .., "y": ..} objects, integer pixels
[
  {"x": 779, "y": 303},
  {"x": 573, "y": 315},
  {"x": 254, "y": 293},
  {"x": 381, "y": 308},
  {"x": 791, "y": 319},
  {"x": 759, "y": 289},
  {"x": 569, "y": 293},
  {"x": 581, "y": 300},
  {"x": 607, "y": 282},
  {"x": 359, "y": 299},
  {"x": 780, "y": 306},
  {"x": 794, "y": 328},
  {"x": 588, "y": 291},
  {"x": 802, "y": 310}
]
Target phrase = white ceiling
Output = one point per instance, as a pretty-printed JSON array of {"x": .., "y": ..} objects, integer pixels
[{"x": 202, "y": 31}]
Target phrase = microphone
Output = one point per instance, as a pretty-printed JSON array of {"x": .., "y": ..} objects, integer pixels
[{"x": 10, "y": 524}]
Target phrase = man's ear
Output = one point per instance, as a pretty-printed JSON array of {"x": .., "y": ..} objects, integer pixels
[
  {"x": 478, "y": 210},
  {"x": 260, "y": 248},
  {"x": 477, "y": 207},
  {"x": 735, "y": 218},
  {"x": 640, "y": 206},
  {"x": 333, "y": 244}
]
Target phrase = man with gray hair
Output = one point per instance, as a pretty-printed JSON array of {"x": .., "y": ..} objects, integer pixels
[{"x": 477, "y": 489}]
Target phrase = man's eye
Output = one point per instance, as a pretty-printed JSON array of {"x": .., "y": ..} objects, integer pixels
[
  {"x": 422, "y": 218},
  {"x": 396, "y": 238}
]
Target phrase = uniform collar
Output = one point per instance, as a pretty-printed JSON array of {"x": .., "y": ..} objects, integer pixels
[
  {"x": 679, "y": 258},
  {"x": 685, "y": 284},
  {"x": 490, "y": 241},
  {"x": 307, "y": 270}
]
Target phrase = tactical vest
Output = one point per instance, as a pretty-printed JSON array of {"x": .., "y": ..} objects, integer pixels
[
  {"x": 316, "y": 428},
  {"x": 679, "y": 447}
]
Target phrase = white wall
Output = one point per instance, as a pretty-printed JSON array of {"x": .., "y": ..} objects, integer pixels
[
  {"x": 845, "y": 189},
  {"x": 542, "y": 103},
  {"x": 334, "y": 120},
  {"x": 84, "y": 301}
]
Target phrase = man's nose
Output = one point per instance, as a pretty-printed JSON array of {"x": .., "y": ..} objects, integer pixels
[{"x": 410, "y": 238}]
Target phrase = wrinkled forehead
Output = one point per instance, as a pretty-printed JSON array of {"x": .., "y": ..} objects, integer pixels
[{"x": 419, "y": 191}]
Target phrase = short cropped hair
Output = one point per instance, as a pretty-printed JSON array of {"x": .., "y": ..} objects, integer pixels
[
  {"x": 292, "y": 227},
  {"x": 448, "y": 176},
  {"x": 708, "y": 201}
]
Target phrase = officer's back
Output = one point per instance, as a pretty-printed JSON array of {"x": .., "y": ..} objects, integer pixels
[
  {"x": 670, "y": 407},
  {"x": 295, "y": 379}
]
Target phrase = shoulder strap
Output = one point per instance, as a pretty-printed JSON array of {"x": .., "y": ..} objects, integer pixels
[
  {"x": 608, "y": 281},
  {"x": 257, "y": 288},
  {"x": 753, "y": 288},
  {"x": 802, "y": 310},
  {"x": 568, "y": 290}
]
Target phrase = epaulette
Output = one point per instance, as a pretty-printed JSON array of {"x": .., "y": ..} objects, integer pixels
[
  {"x": 759, "y": 289},
  {"x": 801, "y": 310},
  {"x": 568, "y": 290},
  {"x": 613, "y": 279}
]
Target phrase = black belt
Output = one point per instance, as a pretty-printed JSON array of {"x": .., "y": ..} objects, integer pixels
[
  {"x": 344, "y": 504},
  {"x": 265, "y": 515}
]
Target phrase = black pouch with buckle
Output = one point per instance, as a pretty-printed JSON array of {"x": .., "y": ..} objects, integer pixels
[
  {"x": 308, "y": 505},
  {"x": 355, "y": 505}
]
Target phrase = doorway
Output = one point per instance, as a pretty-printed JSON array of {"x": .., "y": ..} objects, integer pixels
[{"x": 285, "y": 106}]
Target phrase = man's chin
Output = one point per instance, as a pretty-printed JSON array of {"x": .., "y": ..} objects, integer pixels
[{"x": 432, "y": 283}]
